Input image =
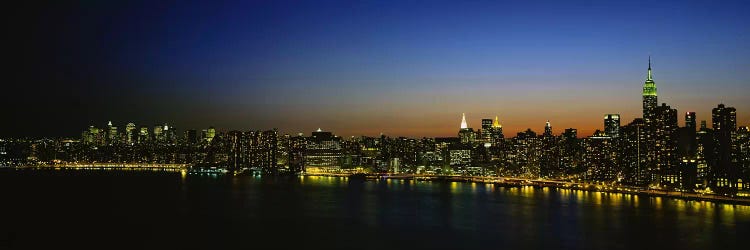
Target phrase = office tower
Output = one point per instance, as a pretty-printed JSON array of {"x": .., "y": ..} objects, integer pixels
[
  {"x": 210, "y": 134},
  {"x": 687, "y": 150},
  {"x": 130, "y": 133},
  {"x": 112, "y": 136},
  {"x": 263, "y": 147},
  {"x": 724, "y": 121},
  {"x": 295, "y": 152},
  {"x": 169, "y": 133},
  {"x": 466, "y": 134},
  {"x": 143, "y": 135},
  {"x": 665, "y": 135},
  {"x": 238, "y": 151},
  {"x": 598, "y": 157},
  {"x": 570, "y": 133},
  {"x": 191, "y": 136},
  {"x": 253, "y": 150},
  {"x": 91, "y": 135},
  {"x": 650, "y": 103},
  {"x": 498, "y": 130},
  {"x": 743, "y": 159},
  {"x": 612, "y": 125},
  {"x": 527, "y": 153},
  {"x": 706, "y": 150},
  {"x": 323, "y": 152},
  {"x": 487, "y": 130},
  {"x": 158, "y": 133},
  {"x": 549, "y": 160},
  {"x": 570, "y": 151},
  {"x": 690, "y": 120},
  {"x": 636, "y": 171},
  {"x": 459, "y": 158}
]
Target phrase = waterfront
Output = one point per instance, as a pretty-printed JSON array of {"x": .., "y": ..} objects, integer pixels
[{"x": 153, "y": 210}]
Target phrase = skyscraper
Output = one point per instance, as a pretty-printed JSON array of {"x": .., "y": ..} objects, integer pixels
[
  {"x": 687, "y": 150},
  {"x": 323, "y": 152},
  {"x": 158, "y": 133},
  {"x": 112, "y": 136},
  {"x": 612, "y": 125},
  {"x": 650, "y": 102},
  {"x": 724, "y": 121},
  {"x": 465, "y": 133},
  {"x": 210, "y": 134},
  {"x": 549, "y": 161},
  {"x": 143, "y": 135},
  {"x": 130, "y": 133},
  {"x": 636, "y": 170},
  {"x": 487, "y": 130},
  {"x": 498, "y": 129},
  {"x": 705, "y": 150},
  {"x": 570, "y": 151},
  {"x": 665, "y": 135},
  {"x": 690, "y": 120}
]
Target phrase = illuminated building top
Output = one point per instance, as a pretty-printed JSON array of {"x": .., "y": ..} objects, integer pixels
[
  {"x": 463, "y": 121},
  {"x": 649, "y": 87},
  {"x": 496, "y": 123}
]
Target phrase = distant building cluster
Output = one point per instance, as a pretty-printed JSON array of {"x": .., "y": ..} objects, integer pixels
[{"x": 652, "y": 151}]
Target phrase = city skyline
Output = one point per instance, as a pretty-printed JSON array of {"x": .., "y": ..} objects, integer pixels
[
  {"x": 582, "y": 131},
  {"x": 401, "y": 69},
  {"x": 342, "y": 124}
]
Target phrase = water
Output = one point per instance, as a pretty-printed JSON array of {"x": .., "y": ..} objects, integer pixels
[{"x": 45, "y": 209}]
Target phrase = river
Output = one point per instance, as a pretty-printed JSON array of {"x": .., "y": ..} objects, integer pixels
[{"x": 113, "y": 209}]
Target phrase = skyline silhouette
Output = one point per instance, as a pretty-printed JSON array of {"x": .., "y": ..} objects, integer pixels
[{"x": 359, "y": 68}]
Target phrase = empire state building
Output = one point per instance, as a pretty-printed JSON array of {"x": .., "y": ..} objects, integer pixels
[
  {"x": 650, "y": 105},
  {"x": 650, "y": 101}
]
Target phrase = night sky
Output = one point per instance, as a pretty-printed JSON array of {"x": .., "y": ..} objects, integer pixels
[{"x": 403, "y": 68}]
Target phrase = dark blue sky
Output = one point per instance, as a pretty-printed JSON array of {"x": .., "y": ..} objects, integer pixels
[{"x": 364, "y": 67}]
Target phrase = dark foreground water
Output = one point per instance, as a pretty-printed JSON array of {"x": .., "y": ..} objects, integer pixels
[{"x": 56, "y": 209}]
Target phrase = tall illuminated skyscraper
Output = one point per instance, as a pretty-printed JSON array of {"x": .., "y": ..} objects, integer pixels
[
  {"x": 112, "y": 135},
  {"x": 210, "y": 134},
  {"x": 650, "y": 100},
  {"x": 143, "y": 136},
  {"x": 487, "y": 130},
  {"x": 130, "y": 133},
  {"x": 465, "y": 133},
  {"x": 158, "y": 133},
  {"x": 612, "y": 125},
  {"x": 650, "y": 103},
  {"x": 498, "y": 129}
]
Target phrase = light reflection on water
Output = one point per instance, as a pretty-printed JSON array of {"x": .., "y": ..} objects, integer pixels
[{"x": 345, "y": 213}]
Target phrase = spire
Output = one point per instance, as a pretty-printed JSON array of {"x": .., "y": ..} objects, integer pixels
[
  {"x": 463, "y": 121},
  {"x": 649, "y": 68},
  {"x": 649, "y": 87},
  {"x": 496, "y": 123}
]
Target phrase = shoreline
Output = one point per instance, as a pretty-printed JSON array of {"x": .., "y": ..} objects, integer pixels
[
  {"x": 515, "y": 182},
  {"x": 495, "y": 181}
]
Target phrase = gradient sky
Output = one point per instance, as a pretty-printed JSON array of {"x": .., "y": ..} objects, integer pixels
[{"x": 403, "y": 68}]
